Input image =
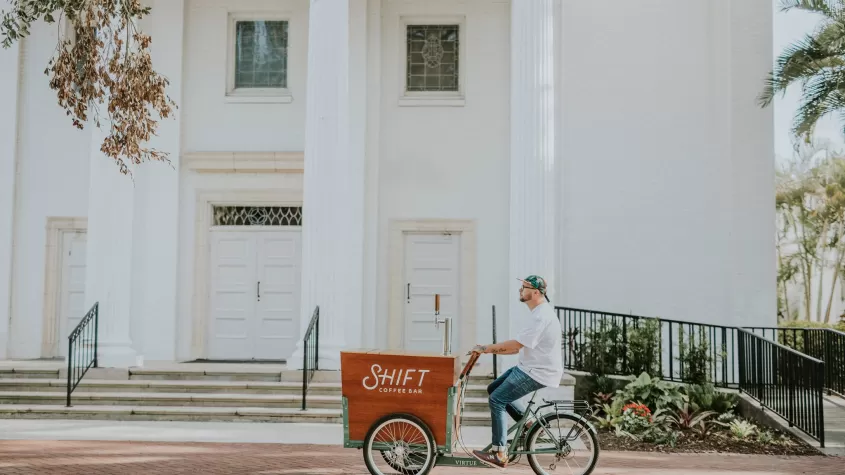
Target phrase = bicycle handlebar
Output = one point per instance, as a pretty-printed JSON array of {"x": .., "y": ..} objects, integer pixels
[{"x": 472, "y": 360}]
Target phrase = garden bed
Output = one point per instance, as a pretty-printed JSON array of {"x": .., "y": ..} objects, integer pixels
[
  {"x": 716, "y": 443},
  {"x": 650, "y": 415}
]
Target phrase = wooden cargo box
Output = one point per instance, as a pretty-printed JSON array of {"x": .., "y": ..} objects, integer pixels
[{"x": 380, "y": 382}]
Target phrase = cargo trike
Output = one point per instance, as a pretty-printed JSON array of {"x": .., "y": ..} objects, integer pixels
[{"x": 405, "y": 411}]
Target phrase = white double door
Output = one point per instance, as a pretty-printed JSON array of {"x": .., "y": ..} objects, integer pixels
[{"x": 255, "y": 294}]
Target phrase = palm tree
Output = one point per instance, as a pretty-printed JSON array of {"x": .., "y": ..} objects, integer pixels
[{"x": 817, "y": 62}]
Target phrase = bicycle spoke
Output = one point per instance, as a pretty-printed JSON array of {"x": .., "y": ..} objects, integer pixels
[{"x": 399, "y": 446}]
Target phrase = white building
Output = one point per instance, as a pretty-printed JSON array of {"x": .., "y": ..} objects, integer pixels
[{"x": 362, "y": 155}]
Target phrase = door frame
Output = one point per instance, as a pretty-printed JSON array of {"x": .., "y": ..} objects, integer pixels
[
  {"x": 205, "y": 202},
  {"x": 467, "y": 279},
  {"x": 56, "y": 228}
]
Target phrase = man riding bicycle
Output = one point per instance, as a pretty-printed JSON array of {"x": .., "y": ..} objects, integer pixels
[{"x": 540, "y": 365}]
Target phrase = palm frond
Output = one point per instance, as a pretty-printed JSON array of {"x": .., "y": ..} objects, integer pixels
[
  {"x": 831, "y": 36},
  {"x": 799, "y": 62},
  {"x": 829, "y": 8},
  {"x": 823, "y": 94}
]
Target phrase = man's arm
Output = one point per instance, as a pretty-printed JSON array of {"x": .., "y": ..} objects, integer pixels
[{"x": 510, "y": 347}]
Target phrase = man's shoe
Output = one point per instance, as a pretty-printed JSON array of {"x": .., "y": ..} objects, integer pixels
[{"x": 490, "y": 458}]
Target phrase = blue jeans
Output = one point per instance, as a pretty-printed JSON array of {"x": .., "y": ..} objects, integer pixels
[{"x": 504, "y": 394}]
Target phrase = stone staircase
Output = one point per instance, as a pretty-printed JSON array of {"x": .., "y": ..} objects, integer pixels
[{"x": 191, "y": 392}]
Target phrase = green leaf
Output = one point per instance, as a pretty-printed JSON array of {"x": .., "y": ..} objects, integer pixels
[{"x": 824, "y": 7}]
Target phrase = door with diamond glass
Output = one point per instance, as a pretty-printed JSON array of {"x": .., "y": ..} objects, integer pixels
[{"x": 254, "y": 294}]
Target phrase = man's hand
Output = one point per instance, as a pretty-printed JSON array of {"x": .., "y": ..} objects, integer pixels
[{"x": 479, "y": 349}]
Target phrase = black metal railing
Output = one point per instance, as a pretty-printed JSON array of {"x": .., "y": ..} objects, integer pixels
[
  {"x": 784, "y": 380},
  {"x": 495, "y": 357},
  {"x": 82, "y": 349},
  {"x": 824, "y": 344},
  {"x": 612, "y": 343},
  {"x": 310, "y": 356}
]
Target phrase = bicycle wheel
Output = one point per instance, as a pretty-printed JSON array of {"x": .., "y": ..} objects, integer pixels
[
  {"x": 399, "y": 444},
  {"x": 569, "y": 445}
]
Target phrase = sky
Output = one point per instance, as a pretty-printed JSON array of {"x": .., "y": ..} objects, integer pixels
[{"x": 789, "y": 27}]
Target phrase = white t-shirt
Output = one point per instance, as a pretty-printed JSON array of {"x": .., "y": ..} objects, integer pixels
[{"x": 540, "y": 357}]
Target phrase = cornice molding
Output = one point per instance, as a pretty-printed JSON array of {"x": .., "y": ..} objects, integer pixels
[{"x": 244, "y": 162}]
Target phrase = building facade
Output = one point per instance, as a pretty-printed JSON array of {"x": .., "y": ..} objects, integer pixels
[{"x": 364, "y": 155}]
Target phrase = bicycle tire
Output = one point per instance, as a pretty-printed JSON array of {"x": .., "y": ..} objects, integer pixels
[
  {"x": 408, "y": 418},
  {"x": 531, "y": 438}
]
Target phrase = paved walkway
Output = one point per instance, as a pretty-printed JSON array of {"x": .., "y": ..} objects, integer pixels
[
  {"x": 834, "y": 424},
  {"x": 128, "y": 458}
]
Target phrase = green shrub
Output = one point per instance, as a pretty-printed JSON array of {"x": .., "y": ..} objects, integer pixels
[
  {"x": 694, "y": 356},
  {"x": 653, "y": 392},
  {"x": 705, "y": 397},
  {"x": 644, "y": 347},
  {"x": 603, "y": 349}
]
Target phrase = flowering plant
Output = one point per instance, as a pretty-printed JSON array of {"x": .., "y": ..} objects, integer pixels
[{"x": 636, "y": 417}]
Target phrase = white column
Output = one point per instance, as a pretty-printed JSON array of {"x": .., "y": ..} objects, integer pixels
[
  {"x": 374, "y": 38},
  {"x": 333, "y": 204},
  {"x": 9, "y": 93},
  {"x": 108, "y": 278},
  {"x": 157, "y": 199},
  {"x": 533, "y": 170}
]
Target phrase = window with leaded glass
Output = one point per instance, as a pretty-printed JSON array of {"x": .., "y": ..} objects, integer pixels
[
  {"x": 258, "y": 215},
  {"x": 432, "y": 58},
  {"x": 260, "y": 54}
]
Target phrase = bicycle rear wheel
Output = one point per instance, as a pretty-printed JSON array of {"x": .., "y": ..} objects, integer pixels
[{"x": 562, "y": 444}]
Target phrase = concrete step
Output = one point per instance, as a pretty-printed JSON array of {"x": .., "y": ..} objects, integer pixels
[
  {"x": 12, "y": 373},
  {"x": 254, "y": 375},
  {"x": 171, "y": 399},
  {"x": 169, "y": 386},
  {"x": 170, "y": 413}
]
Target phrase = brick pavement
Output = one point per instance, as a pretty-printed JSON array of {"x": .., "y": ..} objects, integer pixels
[{"x": 128, "y": 458}]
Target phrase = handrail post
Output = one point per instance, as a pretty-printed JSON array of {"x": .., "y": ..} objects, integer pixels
[
  {"x": 759, "y": 377},
  {"x": 828, "y": 382},
  {"x": 96, "y": 333},
  {"x": 495, "y": 368},
  {"x": 790, "y": 378},
  {"x": 820, "y": 412},
  {"x": 317, "y": 343},
  {"x": 69, "y": 366},
  {"x": 304, "y": 369}
]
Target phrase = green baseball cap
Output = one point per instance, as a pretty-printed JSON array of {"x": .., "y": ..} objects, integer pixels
[{"x": 538, "y": 283}]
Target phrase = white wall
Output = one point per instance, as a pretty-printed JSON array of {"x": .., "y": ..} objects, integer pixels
[
  {"x": 212, "y": 123},
  {"x": 450, "y": 162},
  {"x": 667, "y": 206},
  {"x": 52, "y": 181}
]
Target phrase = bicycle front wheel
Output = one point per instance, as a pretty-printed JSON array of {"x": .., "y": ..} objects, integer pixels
[
  {"x": 562, "y": 444},
  {"x": 399, "y": 444}
]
